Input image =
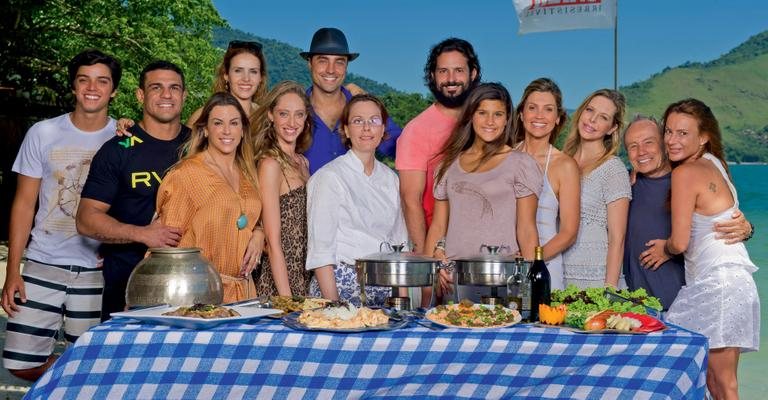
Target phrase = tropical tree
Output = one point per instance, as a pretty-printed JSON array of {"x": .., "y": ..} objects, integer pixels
[{"x": 41, "y": 36}]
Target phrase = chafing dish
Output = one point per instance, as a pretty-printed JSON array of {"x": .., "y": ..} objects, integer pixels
[{"x": 397, "y": 269}]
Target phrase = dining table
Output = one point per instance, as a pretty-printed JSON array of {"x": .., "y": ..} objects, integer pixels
[{"x": 265, "y": 359}]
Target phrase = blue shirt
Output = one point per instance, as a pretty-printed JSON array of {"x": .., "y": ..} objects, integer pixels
[
  {"x": 326, "y": 143},
  {"x": 649, "y": 218}
]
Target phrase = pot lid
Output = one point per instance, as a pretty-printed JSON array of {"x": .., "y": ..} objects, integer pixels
[
  {"x": 396, "y": 254},
  {"x": 491, "y": 253}
]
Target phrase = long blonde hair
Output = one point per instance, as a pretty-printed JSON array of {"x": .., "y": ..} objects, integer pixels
[
  {"x": 198, "y": 142},
  {"x": 611, "y": 142},
  {"x": 265, "y": 136}
]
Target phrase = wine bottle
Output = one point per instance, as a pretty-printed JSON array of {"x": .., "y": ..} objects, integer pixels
[
  {"x": 525, "y": 289},
  {"x": 514, "y": 283},
  {"x": 541, "y": 287}
]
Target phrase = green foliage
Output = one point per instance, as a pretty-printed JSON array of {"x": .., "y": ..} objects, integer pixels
[
  {"x": 735, "y": 86},
  {"x": 403, "y": 107},
  {"x": 42, "y": 36}
]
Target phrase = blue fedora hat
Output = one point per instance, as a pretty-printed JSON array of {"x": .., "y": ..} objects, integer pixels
[{"x": 329, "y": 41}]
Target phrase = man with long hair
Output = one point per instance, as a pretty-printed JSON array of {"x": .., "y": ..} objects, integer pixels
[{"x": 451, "y": 72}]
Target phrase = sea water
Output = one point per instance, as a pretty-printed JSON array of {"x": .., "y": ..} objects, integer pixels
[{"x": 753, "y": 198}]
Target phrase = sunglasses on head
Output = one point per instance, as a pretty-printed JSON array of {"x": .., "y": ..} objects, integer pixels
[{"x": 242, "y": 44}]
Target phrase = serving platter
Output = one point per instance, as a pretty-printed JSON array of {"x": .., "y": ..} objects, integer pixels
[
  {"x": 292, "y": 321},
  {"x": 614, "y": 331},
  {"x": 433, "y": 311},
  {"x": 155, "y": 315}
]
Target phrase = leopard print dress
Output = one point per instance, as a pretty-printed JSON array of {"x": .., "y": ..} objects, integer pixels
[{"x": 293, "y": 237}]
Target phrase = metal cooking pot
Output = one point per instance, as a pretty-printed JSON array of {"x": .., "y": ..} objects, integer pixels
[
  {"x": 396, "y": 268},
  {"x": 489, "y": 268},
  {"x": 175, "y": 276}
]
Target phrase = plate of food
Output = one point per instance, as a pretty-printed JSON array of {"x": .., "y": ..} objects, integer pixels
[
  {"x": 198, "y": 316},
  {"x": 607, "y": 321},
  {"x": 343, "y": 318},
  {"x": 582, "y": 304},
  {"x": 289, "y": 304},
  {"x": 468, "y": 315}
]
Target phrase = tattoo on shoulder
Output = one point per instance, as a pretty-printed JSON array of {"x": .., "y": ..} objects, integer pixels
[{"x": 712, "y": 187}]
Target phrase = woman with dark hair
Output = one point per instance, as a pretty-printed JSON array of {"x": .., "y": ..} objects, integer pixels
[
  {"x": 283, "y": 132},
  {"x": 485, "y": 192},
  {"x": 211, "y": 195},
  {"x": 719, "y": 299},
  {"x": 542, "y": 116},
  {"x": 594, "y": 260},
  {"x": 353, "y": 205}
]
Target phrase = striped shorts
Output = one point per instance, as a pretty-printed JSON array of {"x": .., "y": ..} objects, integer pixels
[{"x": 57, "y": 295}]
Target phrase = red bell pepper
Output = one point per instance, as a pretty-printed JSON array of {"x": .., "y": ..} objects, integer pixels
[{"x": 648, "y": 323}]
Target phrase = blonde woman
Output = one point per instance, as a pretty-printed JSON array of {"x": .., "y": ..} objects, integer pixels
[
  {"x": 594, "y": 260},
  {"x": 283, "y": 133},
  {"x": 541, "y": 117},
  {"x": 212, "y": 196}
]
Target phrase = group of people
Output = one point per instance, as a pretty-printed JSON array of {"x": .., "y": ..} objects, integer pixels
[{"x": 282, "y": 191}]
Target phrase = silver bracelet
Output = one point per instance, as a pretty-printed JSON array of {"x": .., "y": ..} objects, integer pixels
[{"x": 440, "y": 244}]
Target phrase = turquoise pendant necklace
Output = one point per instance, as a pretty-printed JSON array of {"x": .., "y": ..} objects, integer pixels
[{"x": 242, "y": 220}]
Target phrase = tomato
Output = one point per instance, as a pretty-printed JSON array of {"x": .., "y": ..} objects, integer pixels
[{"x": 595, "y": 323}]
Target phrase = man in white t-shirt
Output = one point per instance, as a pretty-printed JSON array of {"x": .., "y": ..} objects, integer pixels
[{"x": 61, "y": 283}]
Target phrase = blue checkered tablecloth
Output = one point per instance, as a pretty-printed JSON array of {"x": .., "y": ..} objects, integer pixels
[{"x": 264, "y": 359}]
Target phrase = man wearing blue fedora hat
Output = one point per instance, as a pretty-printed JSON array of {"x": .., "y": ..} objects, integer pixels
[{"x": 327, "y": 58}]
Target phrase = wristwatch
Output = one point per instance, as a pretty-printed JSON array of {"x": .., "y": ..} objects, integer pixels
[{"x": 751, "y": 232}]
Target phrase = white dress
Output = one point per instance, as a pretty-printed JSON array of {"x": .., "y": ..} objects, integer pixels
[
  {"x": 584, "y": 262},
  {"x": 548, "y": 223},
  {"x": 720, "y": 298}
]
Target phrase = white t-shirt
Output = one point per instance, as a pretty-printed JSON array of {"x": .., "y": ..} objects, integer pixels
[
  {"x": 349, "y": 214},
  {"x": 60, "y": 154}
]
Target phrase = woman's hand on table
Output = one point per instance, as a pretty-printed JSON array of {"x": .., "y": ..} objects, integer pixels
[{"x": 253, "y": 251}]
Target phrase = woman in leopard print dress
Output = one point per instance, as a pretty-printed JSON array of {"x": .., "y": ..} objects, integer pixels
[{"x": 284, "y": 132}]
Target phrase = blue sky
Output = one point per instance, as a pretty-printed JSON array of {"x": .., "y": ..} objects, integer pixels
[{"x": 394, "y": 37}]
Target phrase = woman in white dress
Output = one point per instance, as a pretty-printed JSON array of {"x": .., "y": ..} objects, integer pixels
[
  {"x": 720, "y": 298},
  {"x": 594, "y": 260},
  {"x": 542, "y": 116}
]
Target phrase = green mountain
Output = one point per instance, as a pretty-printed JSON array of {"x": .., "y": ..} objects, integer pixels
[
  {"x": 286, "y": 64},
  {"x": 735, "y": 86}
]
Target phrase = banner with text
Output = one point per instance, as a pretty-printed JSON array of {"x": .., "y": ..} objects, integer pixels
[{"x": 561, "y": 15}]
